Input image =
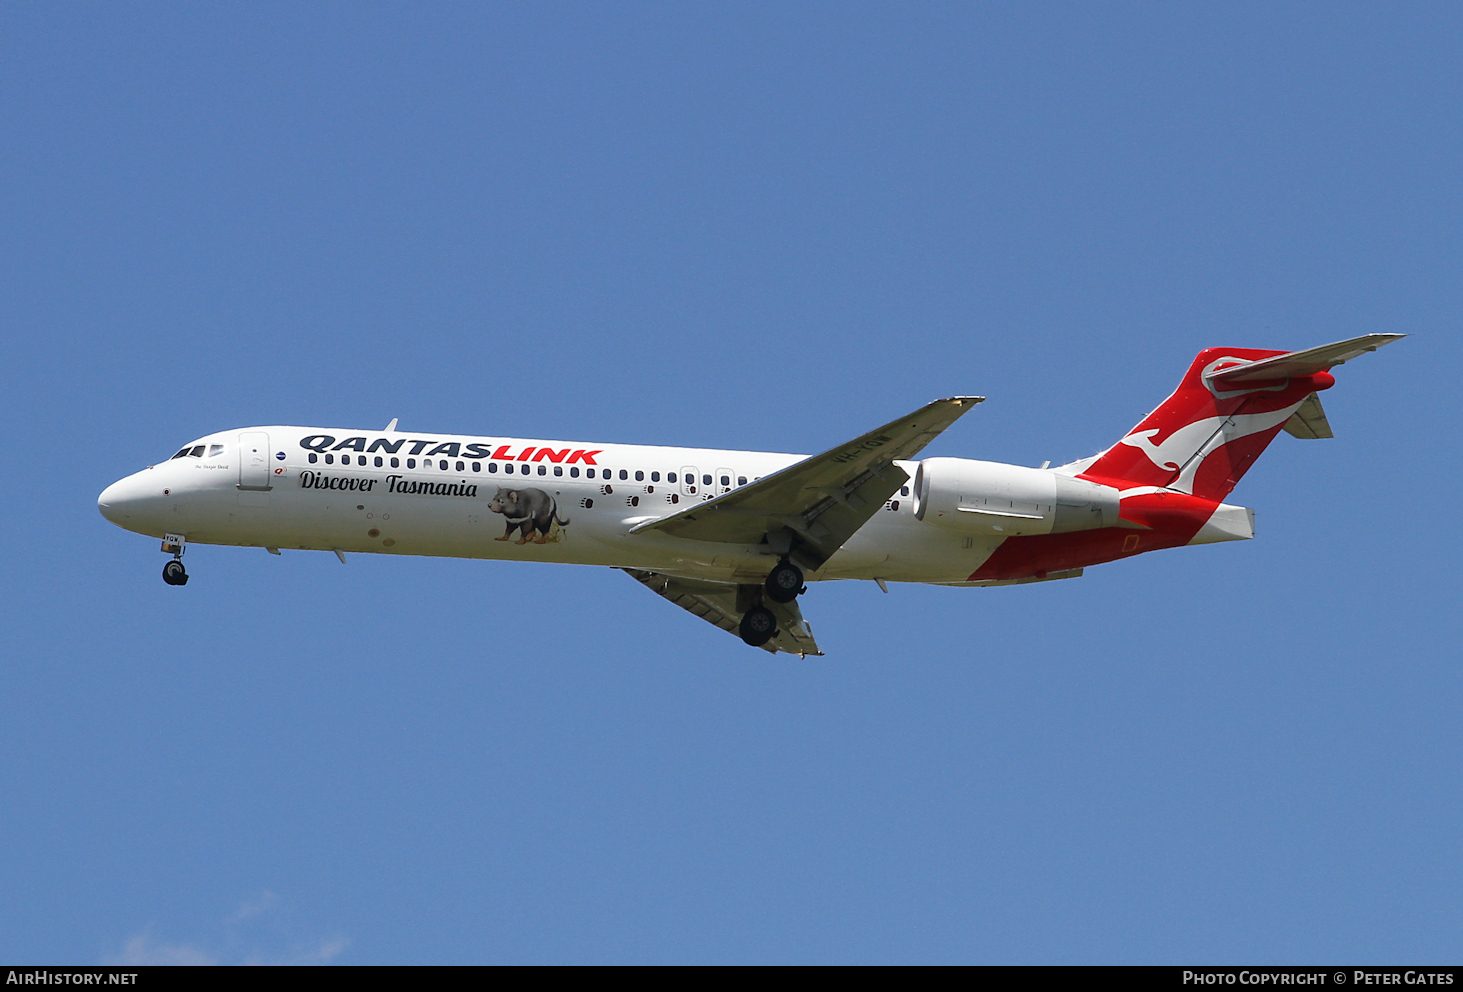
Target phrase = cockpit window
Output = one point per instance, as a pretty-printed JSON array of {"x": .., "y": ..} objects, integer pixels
[
  {"x": 197, "y": 452},
  {"x": 181, "y": 454},
  {"x": 215, "y": 450}
]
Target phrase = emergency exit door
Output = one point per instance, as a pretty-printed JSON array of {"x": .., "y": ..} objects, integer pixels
[{"x": 254, "y": 460}]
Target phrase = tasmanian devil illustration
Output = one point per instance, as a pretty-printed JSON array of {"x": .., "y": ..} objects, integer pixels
[{"x": 527, "y": 510}]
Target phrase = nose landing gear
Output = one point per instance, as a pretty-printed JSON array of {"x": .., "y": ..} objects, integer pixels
[{"x": 174, "y": 574}]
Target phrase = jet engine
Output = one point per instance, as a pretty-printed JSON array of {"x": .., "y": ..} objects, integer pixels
[{"x": 977, "y": 497}]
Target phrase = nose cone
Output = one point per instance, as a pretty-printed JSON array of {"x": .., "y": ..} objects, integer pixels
[
  {"x": 110, "y": 502},
  {"x": 132, "y": 503}
]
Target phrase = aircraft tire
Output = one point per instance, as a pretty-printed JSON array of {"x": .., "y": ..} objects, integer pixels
[
  {"x": 784, "y": 583},
  {"x": 174, "y": 573},
  {"x": 758, "y": 626}
]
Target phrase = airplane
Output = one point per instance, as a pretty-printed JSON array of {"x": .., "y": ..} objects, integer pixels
[{"x": 734, "y": 537}]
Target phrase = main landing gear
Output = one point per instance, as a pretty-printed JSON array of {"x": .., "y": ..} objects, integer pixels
[
  {"x": 174, "y": 574},
  {"x": 784, "y": 583},
  {"x": 758, "y": 626}
]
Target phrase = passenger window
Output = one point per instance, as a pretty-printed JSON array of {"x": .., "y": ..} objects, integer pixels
[
  {"x": 314, "y": 458},
  {"x": 330, "y": 459},
  {"x": 459, "y": 466},
  {"x": 411, "y": 463},
  {"x": 670, "y": 477},
  {"x": 589, "y": 473},
  {"x": 396, "y": 463},
  {"x": 741, "y": 480},
  {"x": 378, "y": 461},
  {"x": 624, "y": 474},
  {"x": 726, "y": 480},
  {"x": 214, "y": 450},
  {"x": 654, "y": 476},
  {"x": 904, "y": 490},
  {"x": 492, "y": 467},
  {"x": 345, "y": 459},
  {"x": 542, "y": 469},
  {"x": 574, "y": 472},
  {"x": 706, "y": 480},
  {"x": 558, "y": 470},
  {"x": 639, "y": 476},
  {"x": 442, "y": 464},
  {"x": 198, "y": 451},
  {"x": 477, "y": 466}
]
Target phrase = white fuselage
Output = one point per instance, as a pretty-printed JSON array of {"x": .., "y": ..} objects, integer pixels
[{"x": 434, "y": 494}]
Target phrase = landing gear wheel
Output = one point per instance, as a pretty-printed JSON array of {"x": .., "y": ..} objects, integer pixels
[
  {"x": 174, "y": 574},
  {"x": 758, "y": 626},
  {"x": 784, "y": 583}
]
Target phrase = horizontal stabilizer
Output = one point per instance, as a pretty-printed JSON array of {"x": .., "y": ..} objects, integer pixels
[
  {"x": 1299, "y": 363},
  {"x": 1309, "y": 422}
]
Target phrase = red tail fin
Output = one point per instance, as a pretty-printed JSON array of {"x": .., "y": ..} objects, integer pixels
[{"x": 1205, "y": 436}]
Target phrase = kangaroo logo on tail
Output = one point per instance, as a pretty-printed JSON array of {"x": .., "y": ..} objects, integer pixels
[
  {"x": 1171, "y": 453},
  {"x": 527, "y": 510},
  {"x": 1192, "y": 443}
]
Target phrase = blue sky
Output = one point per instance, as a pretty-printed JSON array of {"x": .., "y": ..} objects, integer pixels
[{"x": 735, "y": 225}]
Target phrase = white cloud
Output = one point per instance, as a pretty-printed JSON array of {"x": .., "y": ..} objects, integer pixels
[
  {"x": 253, "y": 907},
  {"x": 142, "y": 950},
  {"x": 324, "y": 953}
]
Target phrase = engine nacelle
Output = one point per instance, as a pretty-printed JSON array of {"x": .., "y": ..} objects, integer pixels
[{"x": 977, "y": 497}]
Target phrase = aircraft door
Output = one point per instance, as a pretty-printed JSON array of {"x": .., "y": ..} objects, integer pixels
[
  {"x": 254, "y": 460},
  {"x": 690, "y": 484},
  {"x": 725, "y": 480}
]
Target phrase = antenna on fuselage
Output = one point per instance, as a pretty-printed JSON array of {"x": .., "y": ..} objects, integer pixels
[{"x": 392, "y": 426}]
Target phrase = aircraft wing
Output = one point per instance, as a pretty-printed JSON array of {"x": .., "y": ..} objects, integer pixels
[
  {"x": 1307, "y": 362},
  {"x": 716, "y": 603},
  {"x": 814, "y": 506}
]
